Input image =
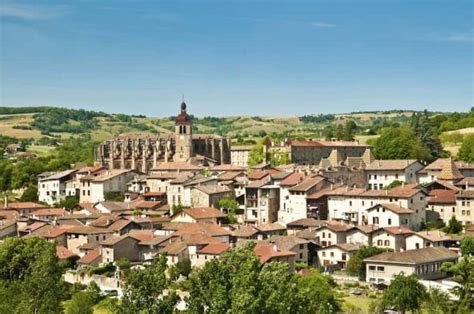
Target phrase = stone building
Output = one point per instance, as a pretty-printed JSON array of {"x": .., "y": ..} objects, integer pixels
[{"x": 143, "y": 153}]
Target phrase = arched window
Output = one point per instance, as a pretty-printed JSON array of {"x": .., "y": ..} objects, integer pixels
[{"x": 387, "y": 243}]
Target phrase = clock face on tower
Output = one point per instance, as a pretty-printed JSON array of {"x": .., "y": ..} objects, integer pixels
[{"x": 181, "y": 137}]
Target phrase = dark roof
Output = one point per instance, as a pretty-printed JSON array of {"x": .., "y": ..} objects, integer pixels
[{"x": 413, "y": 257}]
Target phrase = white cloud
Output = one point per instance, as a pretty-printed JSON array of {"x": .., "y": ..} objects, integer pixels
[
  {"x": 30, "y": 12},
  {"x": 322, "y": 25}
]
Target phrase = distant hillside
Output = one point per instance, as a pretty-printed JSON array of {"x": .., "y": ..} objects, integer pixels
[{"x": 62, "y": 123}]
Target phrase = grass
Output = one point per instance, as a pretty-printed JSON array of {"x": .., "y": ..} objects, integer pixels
[
  {"x": 40, "y": 150},
  {"x": 356, "y": 304}
]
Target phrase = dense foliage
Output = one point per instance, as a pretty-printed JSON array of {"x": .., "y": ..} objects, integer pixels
[
  {"x": 466, "y": 152},
  {"x": 356, "y": 265},
  {"x": 30, "y": 276},
  {"x": 16, "y": 174},
  {"x": 405, "y": 293},
  {"x": 236, "y": 283},
  {"x": 66, "y": 120}
]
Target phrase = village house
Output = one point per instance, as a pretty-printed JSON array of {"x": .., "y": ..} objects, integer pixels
[
  {"x": 332, "y": 233},
  {"x": 386, "y": 215},
  {"x": 430, "y": 238},
  {"x": 445, "y": 169},
  {"x": 179, "y": 190},
  {"x": 361, "y": 234},
  {"x": 305, "y": 223},
  {"x": 352, "y": 204},
  {"x": 200, "y": 214},
  {"x": 336, "y": 256},
  {"x": 239, "y": 155},
  {"x": 262, "y": 201},
  {"x": 391, "y": 237},
  {"x": 52, "y": 189},
  {"x": 465, "y": 207},
  {"x": 293, "y": 244},
  {"x": 210, "y": 251},
  {"x": 441, "y": 205},
  {"x": 381, "y": 173},
  {"x": 270, "y": 253},
  {"x": 295, "y": 204},
  {"x": 47, "y": 214},
  {"x": 425, "y": 263},
  {"x": 124, "y": 247},
  {"x": 93, "y": 189},
  {"x": 22, "y": 208},
  {"x": 209, "y": 195}
]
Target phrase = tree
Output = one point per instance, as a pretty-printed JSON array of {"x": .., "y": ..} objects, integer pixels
[
  {"x": 175, "y": 209},
  {"x": 231, "y": 205},
  {"x": 30, "y": 276},
  {"x": 467, "y": 246},
  {"x": 356, "y": 265},
  {"x": 148, "y": 290},
  {"x": 83, "y": 302},
  {"x": 405, "y": 293},
  {"x": 400, "y": 143},
  {"x": 466, "y": 151},
  {"x": 236, "y": 283},
  {"x": 30, "y": 195},
  {"x": 393, "y": 184},
  {"x": 437, "y": 302},
  {"x": 454, "y": 226},
  {"x": 256, "y": 154},
  {"x": 463, "y": 274}
]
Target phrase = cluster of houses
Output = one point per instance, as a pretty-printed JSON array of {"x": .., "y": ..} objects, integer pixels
[{"x": 295, "y": 213}]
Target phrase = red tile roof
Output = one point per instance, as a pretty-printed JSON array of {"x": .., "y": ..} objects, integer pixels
[
  {"x": 267, "y": 251},
  {"x": 442, "y": 197},
  {"x": 63, "y": 253},
  {"x": 293, "y": 179},
  {"x": 91, "y": 257},
  {"x": 215, "y": 248},
  {"x": 203, "y": 213}
]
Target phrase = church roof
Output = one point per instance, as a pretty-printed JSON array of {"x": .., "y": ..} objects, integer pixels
[{"x": 183, "y": 117}]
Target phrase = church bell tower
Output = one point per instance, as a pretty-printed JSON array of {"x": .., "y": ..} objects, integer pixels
[{"x": 184, "y": 137}]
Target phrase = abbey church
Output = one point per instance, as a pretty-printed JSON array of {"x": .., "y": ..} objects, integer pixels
[{"x": 143, "y": 153}]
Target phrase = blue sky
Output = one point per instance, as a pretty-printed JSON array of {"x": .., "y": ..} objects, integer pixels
[{"x": 238, "y": 57}]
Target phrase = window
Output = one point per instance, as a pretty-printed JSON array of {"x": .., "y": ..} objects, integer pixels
[
  {"x": 301, "y": 255},
  {"x": 389, "y": 221},
  {"x": 380, "y": 268},
  {"x": 332, "y": 254},
  {"x": 379, "y": 242},
  {"x": 387, "y": 243},
  {"x": 371, "y": 267},
  {"x": 301, "y": 246},
  {"x": 324, "y": 253}
]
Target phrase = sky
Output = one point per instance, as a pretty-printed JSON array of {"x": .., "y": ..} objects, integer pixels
[{"x": 238, "y": 57}]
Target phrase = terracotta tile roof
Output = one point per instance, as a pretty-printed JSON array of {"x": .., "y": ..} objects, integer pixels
[
  {"x": 293, "y": 179},
  {"x": 156, "y": 240},
  {"x": 413, "y": 257},
  {"x": 63, "y": 253},
  {"x": 450, "y": 172},
  {"x": 116, "y": 239},
  {"x": 393, "y": 208},
  {"x": 117, "y": 206},
  {"x": 307, "y": 184},
  {"x": 398, "y": 230},
  {"x": 440, "y": 163},
  {"x": 285, "y": 242},
  {"x": 58, "y": 175},
  {"x": 214, "y": 248},
  {"x": 307, "y": 234},
  {"x": 211, "y": 229},
  {"x": 88, "y": 246},
  {"x": 433, "y": 235},
  {"x": 104, "y": 221},
  {"x": 48, "y": 212},
  {"x": 244, "y": 231},
  {"x": 203, "y": 213},
  {"x": 34, "y": 226},
  {"x": 91, "y": 257},
  {"x": 442, "y": 197},
  {"x": 466, "y": 181},
  {"x": 367, "y": 228},
  {"x": 175, "y": 247},
  {"x": 280, "y": 175},
  {"x": 229, "y": 175},
  {"x": 266, "y": 252},
  {"x": 9, "y": 214},
  {"x": 347, "y": 247},
  {"x": 257, "y": 183},
  {"x": 260, "y": 174},
  {"x": 444, "y": 184},
  {"x": 175, "y": 166},
  {"x": 403, "y": 191},
  {"x": 7, "y": 223},
  {"x": 146, "y": 204},
  {"x": 192, "y": 239},
  {"x": 328, "y": 143},
  {"x": 110, "y": 174},
  {"x": 465, "y": 194},
  {"x": 163, "y": 175},
  {"x": 227, "y": 167},
  {"x": 141, "y": 235},
  {"x": 307, "y": 222},
  {"x": 213, "y": 189},
  {"x": 337, "y": 226},
  {"x": 270, "y": 227},
  {"x": 394, "y": 164},
  {"x": 23, "y": 205}
]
